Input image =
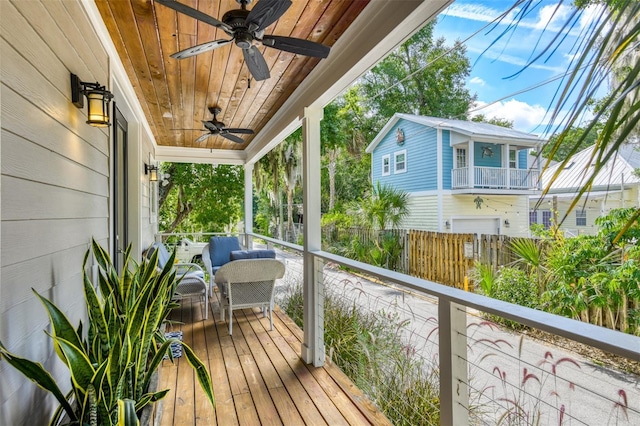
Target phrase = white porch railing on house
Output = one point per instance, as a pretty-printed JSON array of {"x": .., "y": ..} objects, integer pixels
[
  {"x": 494, "y": 178},
  {"x": 486, "y": 372}
]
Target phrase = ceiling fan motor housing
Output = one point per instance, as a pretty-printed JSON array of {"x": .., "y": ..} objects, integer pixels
[{"x": 236, "y": 19}]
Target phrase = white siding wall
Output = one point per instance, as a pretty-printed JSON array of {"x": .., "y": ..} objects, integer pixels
[
  {"x": 55, "y": 184},
  {"x": 511, "y": 207},
  {"x": 423, "y": 214},
  {"x": 594, "y": 206}
]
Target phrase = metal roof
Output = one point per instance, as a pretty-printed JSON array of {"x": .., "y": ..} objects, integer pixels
[
  {"x": 616, "y": 172},
  {"x": 475, "y": 130}
]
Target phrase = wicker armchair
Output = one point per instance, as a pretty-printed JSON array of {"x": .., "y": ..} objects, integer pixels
[{"x": 248, "y": 283}]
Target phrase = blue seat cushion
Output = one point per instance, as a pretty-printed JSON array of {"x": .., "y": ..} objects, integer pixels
[
  {"x": 252, "y": 254},
  {"x": 220, "y": 248}
]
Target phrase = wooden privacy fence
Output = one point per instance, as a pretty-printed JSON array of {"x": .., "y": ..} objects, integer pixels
[
  {"x": 495, "y": 250},
  {"x": 444, "y": 258},
  {"x": 441, "y": 257}
]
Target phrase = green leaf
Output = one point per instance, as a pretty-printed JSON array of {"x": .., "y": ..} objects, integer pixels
[
  {"x": 127, "y": 413},
  {"x": 97, "y": 320},
  {"x": 201, "y": 372},
  {"x": 62, "y": 327},
  {"x": 80, "y": 367},
  {"x": 36, "y": 373}
]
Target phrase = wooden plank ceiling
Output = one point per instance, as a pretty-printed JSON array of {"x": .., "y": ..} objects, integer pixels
[{"x": 176, "y": 93}]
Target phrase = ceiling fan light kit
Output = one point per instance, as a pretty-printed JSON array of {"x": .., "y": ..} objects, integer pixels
[{"x": 244, "y": 27}]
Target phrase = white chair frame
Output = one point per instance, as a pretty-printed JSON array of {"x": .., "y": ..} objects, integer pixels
[{"x": 248, "y": 283}]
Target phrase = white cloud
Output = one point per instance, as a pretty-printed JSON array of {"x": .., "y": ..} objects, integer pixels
[
  {"x": 552, "y": 17},
  {"x": 525, "y": 117},
  {"x": 477, "y": 80}
]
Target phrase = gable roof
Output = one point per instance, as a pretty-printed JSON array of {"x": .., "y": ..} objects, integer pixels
[
  {"x": 617, "y": 171},
  {"x": 467, "y": 128}
]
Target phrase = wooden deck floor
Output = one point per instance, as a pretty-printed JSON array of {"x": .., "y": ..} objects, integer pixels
[{"x": 258, "y": 376}]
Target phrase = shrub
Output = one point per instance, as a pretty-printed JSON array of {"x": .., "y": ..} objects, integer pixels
[
  {"x": 369, "y": 348},
  {"x": 515, "y": 286}
]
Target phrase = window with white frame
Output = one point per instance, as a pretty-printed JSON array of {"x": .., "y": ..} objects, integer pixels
[
  {"x": 546, "y": 219},
  {"x": 461, "y": 158},
  {"x": 581, "y": 218},
  {"x": 513, "y": 162},
  {"x": 400, "y": 161},
  {"x": 533, "y": 217},
  {"x": 386, "y": 165}
]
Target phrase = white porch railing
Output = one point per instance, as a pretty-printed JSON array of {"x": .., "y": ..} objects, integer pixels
[
  {"x": 494, "y": 178},
  {"x": 479, "y": 363}
]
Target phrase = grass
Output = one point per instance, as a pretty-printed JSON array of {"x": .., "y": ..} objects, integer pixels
[{"x": 369, "y": 348}]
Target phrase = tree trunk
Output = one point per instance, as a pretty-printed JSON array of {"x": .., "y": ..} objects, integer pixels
[
  {"x": 290, "y": 215},
  {"x": 332, "y": 156}
]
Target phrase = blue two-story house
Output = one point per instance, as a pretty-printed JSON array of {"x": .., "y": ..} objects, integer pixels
[{"x": 462, "y": 176}]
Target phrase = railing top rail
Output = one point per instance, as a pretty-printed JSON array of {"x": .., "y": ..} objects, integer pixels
[
  {"x": 612, "y": 341},
  {"x": 279, "y": 242}
]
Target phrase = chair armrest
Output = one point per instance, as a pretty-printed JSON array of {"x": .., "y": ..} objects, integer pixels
[{"x": 187, "y": 268}]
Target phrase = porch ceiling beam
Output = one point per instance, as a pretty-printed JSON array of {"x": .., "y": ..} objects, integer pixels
[
  {"x": 380, "y": 27},
  {"x": 199, "y": 155}
]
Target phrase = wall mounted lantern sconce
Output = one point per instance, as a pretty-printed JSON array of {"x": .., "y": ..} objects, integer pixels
[
  {"x": 98, "y": 98},
  {"x": 447, "y": 224},
  {"x": 506, "y": 223},
  {"x": 152, "y": 171}
]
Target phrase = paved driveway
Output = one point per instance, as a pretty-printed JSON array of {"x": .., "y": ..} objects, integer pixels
[{"x": 507, "y": 370}]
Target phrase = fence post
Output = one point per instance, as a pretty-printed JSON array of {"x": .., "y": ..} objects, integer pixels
[{"x": 454, "y": 392}]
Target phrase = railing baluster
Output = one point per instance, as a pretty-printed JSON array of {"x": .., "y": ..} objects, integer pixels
[{"x": 454, "y": 392}]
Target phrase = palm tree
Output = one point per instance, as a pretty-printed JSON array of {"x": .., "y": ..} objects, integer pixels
[
  {"x": 610, "y": 56},
  {"x": 384, "y": 209}
]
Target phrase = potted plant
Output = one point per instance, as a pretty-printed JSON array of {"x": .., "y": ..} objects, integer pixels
[{"x": 112, "y": 366}]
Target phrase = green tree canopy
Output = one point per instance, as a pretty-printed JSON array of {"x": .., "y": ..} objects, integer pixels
[
  {"x": 200, "y": 197},
  {"x": 423, "y": 76}
]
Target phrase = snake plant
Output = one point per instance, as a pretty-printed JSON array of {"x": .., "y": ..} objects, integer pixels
[{"x": 111, "y": 366}]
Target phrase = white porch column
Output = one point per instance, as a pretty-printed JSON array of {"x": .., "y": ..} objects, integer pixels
[
  {"x": 507, "y": 166},
  {"x": 471, "y": 164},
  {"x": 248, "y": 205},
  {"x": 313, "y": 286},
  {"x": 454, "y": 390}
]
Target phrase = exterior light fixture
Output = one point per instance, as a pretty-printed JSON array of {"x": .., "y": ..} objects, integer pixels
[
  {"x": 447, "y": 224},
  {"x": 98, "y": 98},
  {"x": 506, "y": 223},
  {"x": 152, "y": 171}
]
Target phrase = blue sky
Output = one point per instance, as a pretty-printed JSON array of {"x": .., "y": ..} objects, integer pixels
[{"x": 490, "y": 77}]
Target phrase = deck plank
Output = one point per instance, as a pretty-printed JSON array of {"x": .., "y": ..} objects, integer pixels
[{"x": 257, "y": 374}]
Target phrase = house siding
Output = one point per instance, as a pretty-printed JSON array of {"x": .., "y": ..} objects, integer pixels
[
  {"x": 495, "y": 160},
  {"x": 423, "y": 214},
  {"x": 421, "y": 171},
  {"x": 55, "y": 180},
  {"x": 522, "y": 158},
  {"x": 505, "y": 207},
  {"x": 447, "y": 159}
]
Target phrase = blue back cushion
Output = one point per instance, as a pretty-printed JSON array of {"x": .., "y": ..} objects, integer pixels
[
  {"x": 252, "y": 254},
  {"x": 221, "y": 247},
  {"x": 163, "y": 254}
]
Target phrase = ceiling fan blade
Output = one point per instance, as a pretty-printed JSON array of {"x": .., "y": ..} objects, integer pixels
[
  {"x": 203, "y": 137},
  {"x": 256, "y": 63},
  {"x": 231, "y": 137},
  {"x": 235, "y": 130},
  {"x": 265, "y": 13},
  {"x": 296, "y": 45},
  {"x": 201, "y": 48},
  {"x": 196, "y": 14}
]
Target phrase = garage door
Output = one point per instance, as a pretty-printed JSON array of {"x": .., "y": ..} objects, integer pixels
[{"x": 478, "y": 225}]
